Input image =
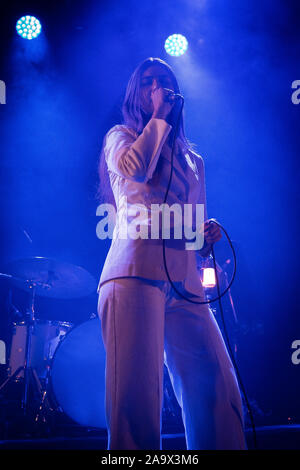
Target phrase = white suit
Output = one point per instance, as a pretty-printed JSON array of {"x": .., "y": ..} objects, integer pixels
[
  {"x": 143, "y": 318},
  {"x": 139, "y": 169}
]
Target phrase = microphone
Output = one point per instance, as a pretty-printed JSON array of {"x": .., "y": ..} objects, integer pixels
[{"x": 172, "y": 96}]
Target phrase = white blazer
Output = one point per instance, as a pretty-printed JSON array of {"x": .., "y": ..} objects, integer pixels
[{"x": 139, "y": 169}]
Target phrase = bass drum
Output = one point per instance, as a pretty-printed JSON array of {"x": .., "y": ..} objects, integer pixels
[{"x": 78, "y": 374}]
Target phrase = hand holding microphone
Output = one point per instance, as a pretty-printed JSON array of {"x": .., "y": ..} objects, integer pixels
[
  {"x": 171, "y": 96},
  {"x": 212, "y": 232},
  {"x": 163, "y": 100}
]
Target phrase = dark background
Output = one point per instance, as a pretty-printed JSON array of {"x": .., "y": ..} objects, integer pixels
[{"x": 64, "y": 91}]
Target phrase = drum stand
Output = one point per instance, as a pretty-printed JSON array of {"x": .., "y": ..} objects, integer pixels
[
  {"x": 44, "y": 405},
  {"x": 30, "y": 376}
]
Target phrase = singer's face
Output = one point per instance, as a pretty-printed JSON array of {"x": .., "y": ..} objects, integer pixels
[{"x": 155, "y": 76}]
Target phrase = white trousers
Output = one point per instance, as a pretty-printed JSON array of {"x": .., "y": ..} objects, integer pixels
[{"x": 141, "y": 320}]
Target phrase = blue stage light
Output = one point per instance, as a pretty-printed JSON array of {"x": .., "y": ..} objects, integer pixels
[
  {"x": 176, "y": 45},
  {"x": 28, "y": 27}
]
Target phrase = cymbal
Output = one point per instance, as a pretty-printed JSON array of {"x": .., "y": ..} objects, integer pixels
[{"x": 51, "y": 278}]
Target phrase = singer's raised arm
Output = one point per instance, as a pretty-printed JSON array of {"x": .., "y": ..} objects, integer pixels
[{"x": 134, "y": 156}]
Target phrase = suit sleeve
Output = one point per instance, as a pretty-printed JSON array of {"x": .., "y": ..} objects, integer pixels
[{"x": 136, "y": 158}]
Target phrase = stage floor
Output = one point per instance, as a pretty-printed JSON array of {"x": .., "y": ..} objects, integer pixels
[{"x": 268, "y": 437}]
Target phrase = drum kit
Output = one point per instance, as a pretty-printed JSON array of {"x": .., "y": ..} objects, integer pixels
[
  {"x": 61, "y": 367},
  {"x": 58, "y": 366}
]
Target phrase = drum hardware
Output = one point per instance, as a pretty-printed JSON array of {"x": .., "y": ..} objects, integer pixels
[
  {"x": 29, "y": 378},
  {"x": 44, "y": 407},
  {"x": 47, "y": 334},
  {"x": 42, "y": 277},
  {"x": 45, "y": 338},
  {"x": 53, "y": 279}
]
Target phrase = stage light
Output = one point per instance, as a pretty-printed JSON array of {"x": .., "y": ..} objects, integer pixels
[
  {"x": 209, "y": 278},
  {"x": 208, "y": 272},
  {"x": 176, "y": 45},
  {"x": 28, "y": 27}
]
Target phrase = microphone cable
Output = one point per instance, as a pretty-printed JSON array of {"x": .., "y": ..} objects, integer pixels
[
  {"x": 164, "y": 243},
  {"x": 220, "y": 294}
]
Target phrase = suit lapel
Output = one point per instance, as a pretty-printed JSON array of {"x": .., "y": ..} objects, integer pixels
[{"x": 183, "y": 159}]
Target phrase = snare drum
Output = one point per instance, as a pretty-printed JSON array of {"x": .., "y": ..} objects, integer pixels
[
  {"x": 45, "y": 338},
  {"x": 77, "y": 374}
]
